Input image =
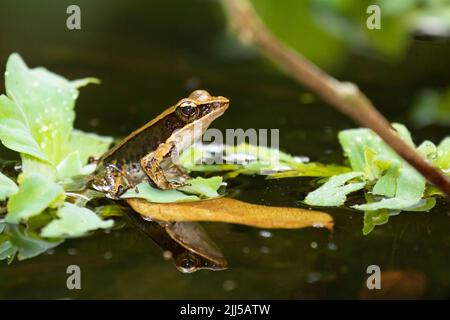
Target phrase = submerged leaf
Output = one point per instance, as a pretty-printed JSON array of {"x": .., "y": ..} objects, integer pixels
[
  {"x": 233, "y": 211},
  {"x": 334, "y": 192},
  {"x": 74, "y": 221},
  {"x": 35, "y": 194}
]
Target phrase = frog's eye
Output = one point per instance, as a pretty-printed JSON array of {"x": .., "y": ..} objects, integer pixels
[{"x": 188, "y": 109}]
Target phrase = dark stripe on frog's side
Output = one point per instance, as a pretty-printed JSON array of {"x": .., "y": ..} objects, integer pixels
[{"x": 144, "y": 140}]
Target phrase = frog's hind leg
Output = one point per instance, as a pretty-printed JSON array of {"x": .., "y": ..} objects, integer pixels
[
  {"x": 160, "y": 169},
  {"x": 176, "y": 174}
]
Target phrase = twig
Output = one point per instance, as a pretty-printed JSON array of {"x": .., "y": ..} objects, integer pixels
[{"x": 344, "y": 96}]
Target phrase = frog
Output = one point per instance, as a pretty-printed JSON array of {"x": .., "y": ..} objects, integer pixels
[{"x": 150, "y": 153}]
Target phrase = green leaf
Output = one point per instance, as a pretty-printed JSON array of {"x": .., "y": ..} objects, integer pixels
[
  {"x": 36, "y": 193},
  {"x": 427, "y": 149},
  {"x": 82, "y": 145},
  {"x": 376, "y": 218},
  {"x": 380, "y": 217},
  {"x": 72, "y": 165},
  {"x": 206, "y": 188},
  {"x": 409, "y": 191},
  {"x": 401, "y": 184},
  {"x": 28, "y": 246},
  {"x": 149, "y": 193},
  {"x": 46, "y": 102},
  {"x": 249, "y": 159},
  {"x": 109, "y": 211},
  {"x": 355, "y": 143},
  {"x": 396, "y": 203},
  {"x": 89, "y": 144},
  {"x": 74, "y": 221},
  {"x": 443, "y": 155},
  {"x": 387, "y": 183},
  {"x": 431, "y": 107},
  {"x": 7, "y": 251},
  {"x": 310, "y": 169},
  {"x": 15, "y": 132},
  {"x": 404, "y": 134},
  {"x": 392, "y": 184},
  {"x": 334, "y": 192},
  {"x": 424, "y": 205},
  {"x": 32, "y": 165},
  {"x": 7, "y": 187},
  {"x": 261, "y": 153},
  {"x": 36, "y": 223}
]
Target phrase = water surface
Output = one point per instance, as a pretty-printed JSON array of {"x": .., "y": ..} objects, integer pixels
[{"x": 149, "y": 56}]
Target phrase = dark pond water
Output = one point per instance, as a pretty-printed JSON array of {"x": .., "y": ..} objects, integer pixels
[{"x": 149, "y": 55}]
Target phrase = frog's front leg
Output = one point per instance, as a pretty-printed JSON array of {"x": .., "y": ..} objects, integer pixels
[
  {"x": 161, "y": 170},
  {"x": 113, "y": 182}
]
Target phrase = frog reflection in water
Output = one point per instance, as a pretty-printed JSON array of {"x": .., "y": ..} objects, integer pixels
[{"x": 148, "y": 152}]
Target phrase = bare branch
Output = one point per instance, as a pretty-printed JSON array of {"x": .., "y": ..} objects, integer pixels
[{"x": 344, "y": 96}]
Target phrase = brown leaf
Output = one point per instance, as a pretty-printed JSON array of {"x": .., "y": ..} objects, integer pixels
[{"x": 233, "y": 211}]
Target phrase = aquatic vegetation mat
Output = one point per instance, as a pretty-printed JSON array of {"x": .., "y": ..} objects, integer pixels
[{"x": 45, "y": 199}]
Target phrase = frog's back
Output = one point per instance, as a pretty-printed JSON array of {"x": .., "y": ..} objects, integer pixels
[{"x": 142, "y": 141}]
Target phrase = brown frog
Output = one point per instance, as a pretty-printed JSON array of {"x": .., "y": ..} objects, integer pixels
[{"x": 151, "y": 151}]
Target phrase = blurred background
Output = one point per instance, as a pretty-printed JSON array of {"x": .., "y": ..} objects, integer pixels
[{"x": 149, "y": 54}]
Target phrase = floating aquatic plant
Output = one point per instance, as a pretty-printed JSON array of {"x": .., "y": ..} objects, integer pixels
[
  {"x": 389, "y": 183},
  {"x": 36, "y": 120}
]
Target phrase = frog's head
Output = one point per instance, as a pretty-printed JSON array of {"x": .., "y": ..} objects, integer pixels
[{"x": 200, "y": 105}]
